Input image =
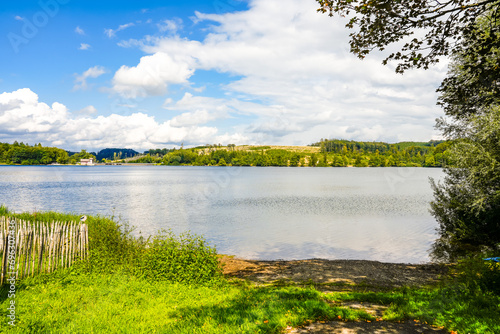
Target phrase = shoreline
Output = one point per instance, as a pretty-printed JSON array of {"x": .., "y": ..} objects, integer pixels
[
  {"x": 333, "y": 275},
  {"x": 157, "y": 164}
]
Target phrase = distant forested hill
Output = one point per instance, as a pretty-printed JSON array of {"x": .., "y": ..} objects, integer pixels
[
  {"x": 116, "y": 153},
  {"x": 337, "y": 145},
  {"x": 428, "y": 154}
]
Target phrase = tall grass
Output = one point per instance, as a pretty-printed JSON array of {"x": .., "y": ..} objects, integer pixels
[{"x": 113, "y": 248}]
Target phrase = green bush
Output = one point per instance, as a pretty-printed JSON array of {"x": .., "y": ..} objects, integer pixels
[
  {"x": 476, "y": 275},
  {"x": 111, "y": 245},
  {"x": 186, "y": 259}
]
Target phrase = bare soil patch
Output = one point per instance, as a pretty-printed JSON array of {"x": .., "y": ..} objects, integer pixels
[
  {"x": 380, "y": 327},
  {"x": 334, "y": 274}
]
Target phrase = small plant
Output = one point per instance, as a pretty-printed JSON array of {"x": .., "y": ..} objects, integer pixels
[{"x": 184, "y": 259}]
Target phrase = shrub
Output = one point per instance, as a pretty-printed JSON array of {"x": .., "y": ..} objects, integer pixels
[
  {"x": 186, "y": 258},
  {"x": 475, "y": 274}
]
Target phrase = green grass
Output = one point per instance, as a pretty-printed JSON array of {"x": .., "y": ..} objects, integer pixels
[
  {"x": 70, "y": 302},
  {"x": 173, "y": 284}
]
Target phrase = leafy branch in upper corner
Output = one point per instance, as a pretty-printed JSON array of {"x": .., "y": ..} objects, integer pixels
[{"x": 379, "y": 23}]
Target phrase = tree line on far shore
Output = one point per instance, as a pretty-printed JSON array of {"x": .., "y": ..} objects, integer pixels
[
  {"x": 24, "y": 154},
  {"x": 332, "y": 153}
]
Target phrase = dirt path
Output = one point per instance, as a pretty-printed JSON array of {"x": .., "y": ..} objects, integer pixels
[{"x": 339, "y": 275}]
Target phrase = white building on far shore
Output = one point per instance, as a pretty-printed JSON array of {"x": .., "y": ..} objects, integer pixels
[{"x": 87, "y": 162}]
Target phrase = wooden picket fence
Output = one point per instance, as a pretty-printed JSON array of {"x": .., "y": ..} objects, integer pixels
[{"x": 41, "y": 247}]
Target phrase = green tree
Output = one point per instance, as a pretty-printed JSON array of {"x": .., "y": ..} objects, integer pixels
[
  {"x": 473, "y": 82},
  {"x": 467, "y": 203},
  {"x": 295, "y": 160},
  {"x": 222, "y": 162},
  {"x": 337, "y": 161},
  {"x": 313, "y": 160}
]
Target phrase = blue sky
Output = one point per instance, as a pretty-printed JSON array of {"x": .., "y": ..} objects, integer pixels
[{"x": 85, "y": 74}]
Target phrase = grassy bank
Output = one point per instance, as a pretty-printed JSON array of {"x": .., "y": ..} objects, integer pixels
[{"x": 173, "y": 284}]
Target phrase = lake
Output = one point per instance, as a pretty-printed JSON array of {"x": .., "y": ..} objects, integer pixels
[{"x": 256, "y": 213}]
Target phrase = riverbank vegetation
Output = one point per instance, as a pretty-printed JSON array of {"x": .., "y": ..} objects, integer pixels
[
  {"x": 326, "y": 153},
  {"x": 174, "y": 284},
  {"x": 467, "y": 202}
]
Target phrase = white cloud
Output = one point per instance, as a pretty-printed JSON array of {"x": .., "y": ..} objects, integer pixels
[
  {"x": 18, "y": 18},
  {"x": 23, "y": 116},
  {"x": 79, "y": 31},
  {"x": 201, "y": 116},
  {"x": 88, "y": 110},
  {"x": 294, "y": 63},
  {"x": 84, "y": 46},
  {"x": 112, "y": 32},
  {"x": 129, "y": 106},
  {"x": 171, "y": 26},
  {"x": 152, "y": 76},
  {"x": 93, "y": 72}
]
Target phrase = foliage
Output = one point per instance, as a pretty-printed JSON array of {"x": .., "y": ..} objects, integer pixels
[
  {"x": 183, "y": 259},
  {"x": 258, "y": 148},
  {"x": 476, "y": 275},
  {"x": 473, "y": 82},
  {"x": 467, "y": 203},
  {"x": 429, "y": 154},
  {"x": 116, "y": 153},
  {"x": 441, "y": 25},
  {"x": 20, "y": 153},
  {"x": 147, "y": 159},
  {"x": 158, "y": 152},
  {"x": 335, "y": 153},
  {"x": 83, "y": 154}
]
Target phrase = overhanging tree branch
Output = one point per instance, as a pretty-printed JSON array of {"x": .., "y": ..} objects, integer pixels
[{"x": 379, "y": 23}]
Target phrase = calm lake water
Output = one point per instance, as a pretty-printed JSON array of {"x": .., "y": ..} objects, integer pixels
[{"x": 256, "y": 213}]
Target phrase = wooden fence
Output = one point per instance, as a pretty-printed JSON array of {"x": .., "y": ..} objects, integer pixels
[{"x": 39, "y": 247}]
